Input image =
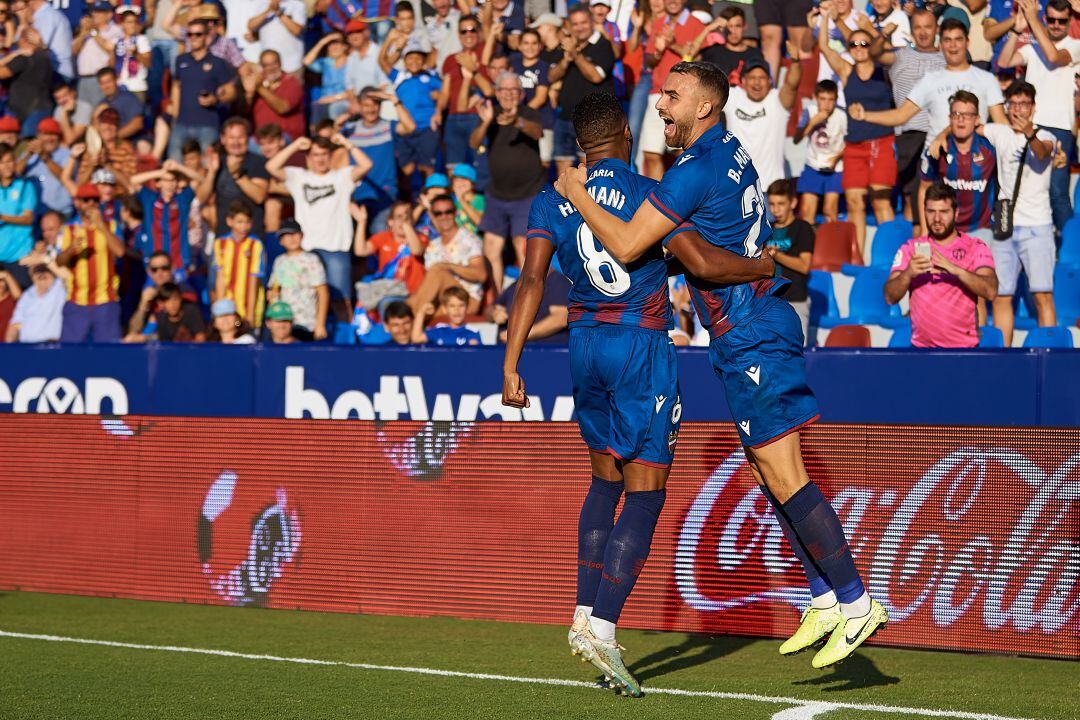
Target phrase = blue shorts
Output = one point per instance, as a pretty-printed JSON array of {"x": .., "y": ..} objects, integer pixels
[
  {"x": 762, "y": 365},
  {"x": 506, "y": 218},
  {"x": 626, "y": 392},
  {"x": 419, "y": 147},
  {"x": 816, "y": 182},
  {"x": 566, "y": 147}
]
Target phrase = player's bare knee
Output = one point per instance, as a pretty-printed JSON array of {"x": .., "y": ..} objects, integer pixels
[{"x": 641, "y": 478}]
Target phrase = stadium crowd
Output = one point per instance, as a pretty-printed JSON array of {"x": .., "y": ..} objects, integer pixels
[{"x": 335, "y": 171}]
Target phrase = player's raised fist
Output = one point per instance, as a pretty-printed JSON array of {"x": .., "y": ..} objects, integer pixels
[
  {"x": 570, "y": 176},
  {"x": 514, "y": 391}
]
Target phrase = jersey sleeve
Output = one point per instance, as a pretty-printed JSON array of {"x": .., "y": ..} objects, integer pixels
[
  {"x": 902, "y": 257},
  {"x": 984, "y": 258},
  {"x": 679, "y": 229},
  {"x": 928, "y": 168},
  {"x": 682, "y": 190},
  {"x": 539, "y": 227}
]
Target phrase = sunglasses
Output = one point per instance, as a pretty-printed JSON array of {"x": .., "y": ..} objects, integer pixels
[
  {"x": 160, "y": 268},
  {"x": 196, "y": 34},
  {"x": 468, "y": 31},
  {"x": 1057, "y": 21},
  {"x": 442, "y": 213},
  {"x": 859, "y": 44}
]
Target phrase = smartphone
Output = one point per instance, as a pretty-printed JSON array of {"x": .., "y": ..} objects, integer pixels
[{"x": 923, "y": 249}]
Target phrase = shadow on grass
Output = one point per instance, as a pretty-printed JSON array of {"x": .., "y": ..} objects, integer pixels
[
  {"x": 855, "y": 673},
  {"x": 692, "y": 651}
]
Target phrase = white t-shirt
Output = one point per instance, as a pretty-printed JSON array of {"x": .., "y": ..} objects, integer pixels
[
  {"x": 1053, "y": 85},
  {"x": 240, "y": 13},
  {"x": 826, "y": 142},
  {"x": 1033, "y": 205},
  {"x": 133, "y": 74},
  {"x": 92, "y": 57},
  {"x": 932, "y": 93},
  {"x": 274, "y": 35},
  {"x": 760, "y": 127},
  {"x": 901, "y": 37},
  {"x": 322, "y": 207}
]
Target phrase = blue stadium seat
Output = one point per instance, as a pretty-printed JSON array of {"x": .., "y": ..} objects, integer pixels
[
  {"x": 991, "y": 337},
  {"x": 822, "y": 298},
  {"x": 887, "y": 240},
  {"x": 901, "y": 337},
  {"x": 1067, "y": 293},
  {"x": 866, "y": 303},
  {"x": 1049, "y": 337},
  {"x": 1069, "y": 254},
  {"x": 344, "y": 334}
]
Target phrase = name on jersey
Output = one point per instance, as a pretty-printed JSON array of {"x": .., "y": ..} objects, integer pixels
[
  {"x": 742, "y": 158},
  {"x": 602, "y": 194}
]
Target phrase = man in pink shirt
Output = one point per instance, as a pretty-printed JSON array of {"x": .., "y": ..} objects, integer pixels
[{"x": 945, "y": 272}]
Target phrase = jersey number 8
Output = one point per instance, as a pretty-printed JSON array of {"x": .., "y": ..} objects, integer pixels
[{"x": 605, "y": 273}]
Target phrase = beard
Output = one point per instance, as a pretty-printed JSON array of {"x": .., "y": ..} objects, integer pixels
[
  {"x": 947, "y": 232},
  {"x": 680, "y": 134}
]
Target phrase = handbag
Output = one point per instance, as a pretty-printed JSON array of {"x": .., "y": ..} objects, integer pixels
[{"x": 1001, "y": 220}]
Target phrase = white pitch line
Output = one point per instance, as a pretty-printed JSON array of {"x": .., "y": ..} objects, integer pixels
[{"x": 812, "y": 706}]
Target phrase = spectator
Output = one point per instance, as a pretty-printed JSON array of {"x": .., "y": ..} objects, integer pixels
[
  {"x": 600, "y": 10},
  {"x": 825, "y": 127},
  {"x": 551, "y": 325},
  {"x": 418, "y": 90},
  {"x": 512, "y": 136},
  {"x": 18, "y": 200},
  {"x": 1050, "y": 62},
  {"x": 362, "y": 69},
  {"x": 218, "y": 45},
  {"x": 533, "y": 71},
  {"x": 162, "y": 41},
  {"x": 549, "y": 26},
  {"x": 736, "y": 52},
  {"x": 584, "y": 65},
  {"x": 113, "y": 154},
  {"x": 298, "y": 279},
  {"x": 131, "y": 54},
  {"x": 944, "y": 272},
  {"x": 398, "y": 321},
  {"x": 454, "y": 303},
  {"x": 237, "y": 174},
  {"x": 159, "y": 271},
  {"x": 670, "y": 38},
  {"x": 166, "y": 214},
  {"x": 891, "y": 22},
  {"x": 975, "y": 15},
  {"x": 773, "y": 17},
  {"x": 9, "y": 296},
  {"x": 280, "y": 27},
  {"x": 178, "y": 320},
  {"x": 93, "y": 47},
  {"x": 275, "y": 97},
  {"x": 758, "y": 115},
  {"x": 454, "y": 258},
  {"x": 374, "y": 135},
  {"x": 89, "y": 248},
  {"x": 461, "y": 72},
  {"x": 403, "y": 36},
  {"x": 28, "y": 72},
  {"x": 9, "y": 130},
  {"x": 1021, "y": 146},
  {"x": 39, "y": 313},
  {"x": 398, "y": 251},
  {"x": 123, "y": 101},
  {"x": 907, "y": 65},
  {"x": 442, "y": 30},
  {"x": 227, "y": 327},
  {"x": 54, "y": 34},
  {"x": 44, "y": 161},
  {"x": 279, "y": 321},
  {"x": 331, "y": 98},
  {"x": 202, "y": 84},
  {"x": 238, "y": 265},
  {"x": 321, "y": 196},
  {"x": 470, "y": 204},
  {"x": 71, "y": 113},
  {"x": 793, "y": 240},
  {"x": 437, "y": 184},
  {"x": 869, "y": 149},
  {"x": 271, "y": 142}
]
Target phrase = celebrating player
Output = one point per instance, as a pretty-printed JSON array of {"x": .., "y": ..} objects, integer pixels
[
  {"x": 626, "y": 390},
  {"x": 756, "y": 343}
]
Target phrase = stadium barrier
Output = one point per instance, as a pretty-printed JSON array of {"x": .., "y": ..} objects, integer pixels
[{"x": 970, "y": 536}]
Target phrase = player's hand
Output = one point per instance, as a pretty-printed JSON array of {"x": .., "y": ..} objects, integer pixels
[
  {"x": 570, "y": 176},
  {"x": 767, "y": 262},
  {"x": 920, "y": 265},
  {"x": 514, "y": 391}
]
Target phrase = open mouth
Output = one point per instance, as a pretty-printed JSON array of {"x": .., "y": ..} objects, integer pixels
[{"x": 669, "y": 127}]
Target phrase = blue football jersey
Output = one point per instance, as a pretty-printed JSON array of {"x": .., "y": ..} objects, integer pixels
[
  {"x": 715, "y": 186},
  {"x": 604, "y": 290}
]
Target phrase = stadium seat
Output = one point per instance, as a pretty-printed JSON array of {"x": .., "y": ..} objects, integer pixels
[
  {"x": 1049, "y": 337},
  {"x": 991, "y": 337},
  {"x": 901, "y": 337},
  {"x": 849, "y": 336},
  {"x": 344, "y": 334},
  {"x": 822, "y": 298},
  {"x": 1067, "y": 293},
  {"x": 835, "y": 245},
  {"x": 887, "y": 240},
  {"x": 1069, "y": 254},
  {"x": 866, "y": 303}
]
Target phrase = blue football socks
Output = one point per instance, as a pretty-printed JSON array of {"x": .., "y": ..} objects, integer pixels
[
  {"x": 819, "y": 584},
  {"x": 627, "y": 550},
  {"x": 594, "y": 527}
]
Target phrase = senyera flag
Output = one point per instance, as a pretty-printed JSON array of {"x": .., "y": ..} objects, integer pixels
[{"x": 970, "y": 536}]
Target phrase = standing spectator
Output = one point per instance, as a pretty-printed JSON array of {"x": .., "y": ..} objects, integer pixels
[
  {"x": 470, "y": 204},
  {"x": 773, "y": 16},
  {"x": 758, "y": 115},
  {"x": 869, "y": 149},
  {"x": 271, "y": 142},
  {"x": 239, "y": 265},
  {"x": 418, "y": 89},
  {"x": 93, "y": 47},
  {"x": 279, "y": 321},
  {"x": 736, "y": 52},
  {"x": 280, "y": 27},
  {"x": 29, "y": 73},
  {"x": 39, "y": 313},
  {"x": 1050, "y": 63},
  {"x": 275, "y": 97},
  {"x": 399, "y": 253},
  {"x": 1028, "y": 151},
  {"x": 321, "y": 196},
  {"x": 794, "y": 243},
  {"x": 178, "y": 320},
  {"x": 54, "y": 34},
  {"x": 454, "y": 258},
  {"x": 114, "y": 154},
  {"x": 9, "y": 296},
  {"x": 975, "y": 15},
  {"x": 44, "y": 162},
  {"x": 670, "y": 38},
  {"x": 509, "y": 17},
  {"x": 162, "y": 42},
  {"x": 202, "y": 84},
  {"x": 533, "y": 71},
  {"x": 362, "y": 68},
  {"x": 907, "y": 65},
  {"x": 166, "y": 213},
  {"x": 237, "y": 174},
  {"x": 442, "y": 30},
  {"x": 405, "y": 34},
  {"x": 18, "y": 200},
  {"x": 461, "y": 72},
  {"x": 825, "y": 127},
  {"x": 298, "y": 279},
  {"x": 549, "y": 26},
  {"x": 227, "y": 327},
  {"x": 218, "y": 45},
  {"x": 584, "y": 65},
  {"x": 131, "y": 54},
  {"x": 89, "y": 248},
  {"x": 331, "y": 98},
  {"x": 944, "y": 272},
  {"x": 891, "y": 22},
  {"x": 126, "y": 104},
  {"x": 512, "y": 135},
  {"x": 73, "y": 114},
  {"x": 454, "y": 305},
  {"x": 375, "y": 136}
]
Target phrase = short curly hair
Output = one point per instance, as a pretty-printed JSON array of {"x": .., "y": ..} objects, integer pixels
[{"x": 598, "y": 117}]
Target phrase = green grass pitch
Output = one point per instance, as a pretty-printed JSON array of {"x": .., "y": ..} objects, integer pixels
[{"x": 58, "y": 678}]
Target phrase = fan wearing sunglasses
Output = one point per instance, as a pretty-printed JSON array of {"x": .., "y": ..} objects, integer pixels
[{"x": 1051, "y": 63}]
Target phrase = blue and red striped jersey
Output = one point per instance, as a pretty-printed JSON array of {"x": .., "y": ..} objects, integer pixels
[
  {"x": 714, "y": 186},
  {"x": 604, "y": 290},
  {"x": 973, "y": 175}
]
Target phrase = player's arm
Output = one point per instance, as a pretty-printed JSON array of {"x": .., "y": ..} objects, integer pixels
[
  {"x": 716, "y": 265},
  {"x": 527, "y": 298}
]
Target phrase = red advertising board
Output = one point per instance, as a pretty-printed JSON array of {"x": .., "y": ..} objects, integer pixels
[{"x": 970, "y": 536}]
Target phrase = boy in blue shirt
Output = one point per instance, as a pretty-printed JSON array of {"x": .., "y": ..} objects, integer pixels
[{"x": 454, "y": 301}]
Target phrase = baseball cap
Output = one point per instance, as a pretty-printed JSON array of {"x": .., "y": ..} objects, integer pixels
[
  {"x": 955, "y": 14},
  {"x": 9, "y": 123},
  {"x": 547, "y": 19},
  {"x": 127, "y": 10},
  {"x": 224, "y": 306},
  {"x": 101, "y": 7},
  {"x": 49, "y": 126},
  {"x": 87, "y": 191},
  {"x": 594, "y": 3},
  {"x": 414, "y": 46},
  {"x": 279, "y": 311},
  {"x": 754, "y": 64},
  {"x": 463, "y": 170},
  {"x": 436, "y": 180},
  {"x": 290, "y": 227},
  {"x": 105, "y": 176}
]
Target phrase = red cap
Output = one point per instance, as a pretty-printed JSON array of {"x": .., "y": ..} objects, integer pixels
[
  {"x": 355, "y": 26},
  {"x": 87, "y": 191},
  {"x": 49, "y": 126},
  {"x": 9, "y": 123}
]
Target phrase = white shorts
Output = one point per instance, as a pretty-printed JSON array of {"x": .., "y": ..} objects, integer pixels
[
  {"x": 652, "y": 129},
  {"x": 1032, "y": 247},
  {"x": 547, "y": 145}
]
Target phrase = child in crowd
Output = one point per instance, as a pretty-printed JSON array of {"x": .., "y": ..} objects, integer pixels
[
  {"x": 298, "y": 278},
  {"x": 454, "y": 301},
  {"x": 238, "y": 266},
  {"x": 794, "y": 243},
  {"x": 470, "y": 204},
  {"x": 825, "y": 127}
]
